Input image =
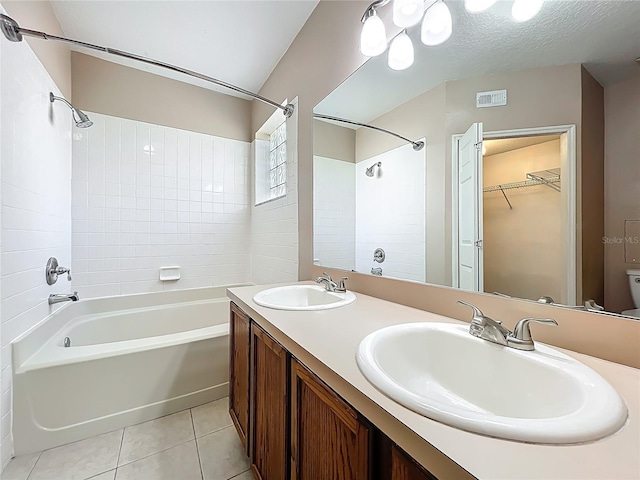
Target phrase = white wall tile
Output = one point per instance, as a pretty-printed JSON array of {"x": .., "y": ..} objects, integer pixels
[
  {"x": 157, "y": 214},
  {"x": 390, "y": 213},
  {"x": 36, "y": 203}
]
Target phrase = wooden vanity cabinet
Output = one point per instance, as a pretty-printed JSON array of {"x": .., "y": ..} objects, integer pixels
[
  {"x": 329, "y": 439},
  {"x": 269, "y": 413},
  {"x": 239, "y": 330},
  {"x": 294, "y": 426}
]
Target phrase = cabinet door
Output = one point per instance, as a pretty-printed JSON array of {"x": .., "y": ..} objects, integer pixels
[
  {"x": 239, "y": 374},
  {"x": 269, "y": 418},
  {"x": 404, "y": 467},
  {"x": 328, "y": 439}
]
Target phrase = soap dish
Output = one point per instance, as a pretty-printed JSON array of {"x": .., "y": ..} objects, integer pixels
[{"x": 169, "y": 274}]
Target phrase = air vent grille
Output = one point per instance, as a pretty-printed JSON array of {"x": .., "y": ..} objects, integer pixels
[{"x": 495, "y": 98}]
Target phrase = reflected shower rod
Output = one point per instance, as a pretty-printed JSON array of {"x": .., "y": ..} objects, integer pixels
[
  {"x": 417, "y": 146},
  {"x": 14, "y": 32}
]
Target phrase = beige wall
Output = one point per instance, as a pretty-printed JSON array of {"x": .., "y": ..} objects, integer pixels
[
  {"x": 311, "y": 69},
  {"x": 450, "y": 109},
  {"x": 56, "y": 57},
  {"x": 622, "y": 184},
  {"x": 112, "y": 89},
  {"x": 591, "y": 172},
  {"x": 333, "y": 141},
  {"x": 522, "y": 246}
]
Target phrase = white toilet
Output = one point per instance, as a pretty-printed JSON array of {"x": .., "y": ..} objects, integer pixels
[{"x": 634, "y": 283}]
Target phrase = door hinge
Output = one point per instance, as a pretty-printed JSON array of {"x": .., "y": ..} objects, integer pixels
[
  {"x": 478, "y": 243},
  {"x": 478, "y": 146}
]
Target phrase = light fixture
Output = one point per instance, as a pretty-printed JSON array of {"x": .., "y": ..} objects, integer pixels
[
  {"x": 476, "y": 6},
  {"x": 437, "y": 24},
  {"x": 401, "y": 52},
  {"x": 373, "y": 38},
  {"x": 525, "y": 10},
  {"x": 407, "y": 13}
]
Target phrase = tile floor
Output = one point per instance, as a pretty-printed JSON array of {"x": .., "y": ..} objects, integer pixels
[{"x": 195, "y": 444}]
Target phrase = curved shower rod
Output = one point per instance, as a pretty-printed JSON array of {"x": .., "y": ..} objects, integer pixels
[
  {"x": 14, "y": 32},
  {"x": 417, "y": 146}
]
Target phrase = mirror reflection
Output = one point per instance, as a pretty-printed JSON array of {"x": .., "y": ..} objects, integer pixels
[{"x": 527, "y": 186}]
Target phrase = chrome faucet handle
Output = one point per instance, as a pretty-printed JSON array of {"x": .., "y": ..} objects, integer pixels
[
  {"x": 485, "y": 327},
  {"x": 478, "y": 316},
  {"x": 327, "y": 276},
  {"x": 522, "y": 332},
  {"x": 341, "y": 287}
]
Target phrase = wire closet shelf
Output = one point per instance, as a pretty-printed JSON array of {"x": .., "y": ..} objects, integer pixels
[{"x": 549, "y": 178}]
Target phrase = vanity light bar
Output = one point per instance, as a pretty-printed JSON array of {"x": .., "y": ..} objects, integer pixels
[
  {"x": 417, "y": 146},
  {"x": 13, "y": 32}
]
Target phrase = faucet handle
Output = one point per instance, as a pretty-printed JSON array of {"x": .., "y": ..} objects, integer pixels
[
  {"x": 522, "y": 330},
  {"x": 341, "y": 287},
  {"x": 327, "y": 276},
  {"x": 477, "y": 313}
]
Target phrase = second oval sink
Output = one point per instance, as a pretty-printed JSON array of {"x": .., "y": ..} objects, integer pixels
[
  {"x": 302, "y": 297},
  {"x": 442, "y": 372}
]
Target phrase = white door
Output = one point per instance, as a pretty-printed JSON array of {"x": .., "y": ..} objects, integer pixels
[{"x": 470, "y": 275}]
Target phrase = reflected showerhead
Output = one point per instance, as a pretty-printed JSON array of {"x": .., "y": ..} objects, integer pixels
[
  {"x": 82, "y": 120},
  {"x": 369, "y": 171}
]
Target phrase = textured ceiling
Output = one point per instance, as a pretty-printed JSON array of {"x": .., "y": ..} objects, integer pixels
[
  {"x": 239, "y": 42},
  {"x": 602, "y": 35}
]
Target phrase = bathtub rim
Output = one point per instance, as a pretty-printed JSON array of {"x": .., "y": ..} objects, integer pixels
[{"x": 27, "y": 345}]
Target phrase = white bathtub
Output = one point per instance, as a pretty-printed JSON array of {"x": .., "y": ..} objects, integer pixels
[{"x": 132, "y": 358}]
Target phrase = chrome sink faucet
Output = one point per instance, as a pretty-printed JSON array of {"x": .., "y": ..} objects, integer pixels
[
  {"x": 330, "y": 285},
  {"x": 492, "y": 330},
  {"x": 63, "y": 297}
]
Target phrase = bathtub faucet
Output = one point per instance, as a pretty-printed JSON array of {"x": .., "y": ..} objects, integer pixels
[{"x": 63, "y": 297}]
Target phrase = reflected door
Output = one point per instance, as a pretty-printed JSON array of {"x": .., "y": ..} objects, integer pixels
[{"x": 470, "y": 275}]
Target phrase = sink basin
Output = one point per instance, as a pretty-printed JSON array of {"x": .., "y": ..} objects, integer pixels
[
  {"x": 302, "y": 297},
  {"x": 442, "y": 372}
]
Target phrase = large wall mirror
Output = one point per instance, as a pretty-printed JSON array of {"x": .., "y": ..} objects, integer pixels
[{"x": 529, "y": 182}]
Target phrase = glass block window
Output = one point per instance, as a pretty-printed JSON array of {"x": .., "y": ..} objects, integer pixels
[{"x": 278, "y": 162}]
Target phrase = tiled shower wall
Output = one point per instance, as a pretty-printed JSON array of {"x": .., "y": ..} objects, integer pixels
[
  {"x": 274, "y": 224},
  {"x": 146, "y": 196},
  {"x": 334, "y": 213},
  {"x": 36, "y": 204},
  {"x": 390, "y": 212}
]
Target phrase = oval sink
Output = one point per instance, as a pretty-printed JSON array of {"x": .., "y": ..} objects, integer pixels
[
  {"x": 302, "y": 297},
  {"x": 442, "y": 372}
]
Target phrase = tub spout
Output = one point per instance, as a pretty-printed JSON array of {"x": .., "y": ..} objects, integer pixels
[{"x": 63, "y": 297}]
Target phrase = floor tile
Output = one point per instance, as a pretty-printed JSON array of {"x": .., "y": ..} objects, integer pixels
[
  {"x": 79, "y": 460},
  {"x": 110, "y": 475},
  {"x": 222, "y": 455},
  {"x": 20, "y": 467},
  {"x": 211, "y": 416},
  {"x": 156, "y": 435},
  {"x": 179, "y": 462},
  {"x": 244, "y": 476}
]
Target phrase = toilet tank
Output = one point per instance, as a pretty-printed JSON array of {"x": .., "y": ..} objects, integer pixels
[{"x": 634, "y": 282}]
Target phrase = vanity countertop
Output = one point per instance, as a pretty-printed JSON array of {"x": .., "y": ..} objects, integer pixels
[{"x": 327, "y": 341}]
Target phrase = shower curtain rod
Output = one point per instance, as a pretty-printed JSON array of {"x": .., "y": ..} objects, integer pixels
[
  {"x": 13, "y": 32},
  {"x": 417, "y": 146}
]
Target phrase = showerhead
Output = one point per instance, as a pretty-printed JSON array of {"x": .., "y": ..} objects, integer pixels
[
  {"x": 369, "y": 171},
  {"x": 10, "y": 28},
  {"x": 82, "y": 120}
]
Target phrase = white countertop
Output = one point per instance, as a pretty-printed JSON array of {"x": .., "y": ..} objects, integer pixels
[{"x": 330, "y": 339}]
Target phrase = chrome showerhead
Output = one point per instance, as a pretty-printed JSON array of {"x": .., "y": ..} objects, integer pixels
[
  {"x": 369, "y": 171},
  {"x": 82, "y": 120},
  {"x": 10, "y": 28}
]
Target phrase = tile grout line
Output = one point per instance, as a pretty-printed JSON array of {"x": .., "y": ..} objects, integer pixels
[
  {"x": 195, "y": 440},
  {"x": 119, "y": 452},
  {"x": 34, "y": 466}
]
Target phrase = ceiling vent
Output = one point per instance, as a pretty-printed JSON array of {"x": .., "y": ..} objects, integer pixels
[{"x": 495, "y": 98}]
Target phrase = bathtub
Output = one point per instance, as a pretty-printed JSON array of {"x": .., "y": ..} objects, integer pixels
[{"x": 131, "y": 358}]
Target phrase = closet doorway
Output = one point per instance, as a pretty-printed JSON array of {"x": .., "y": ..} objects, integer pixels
[{"x": 514, "y": 212}]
